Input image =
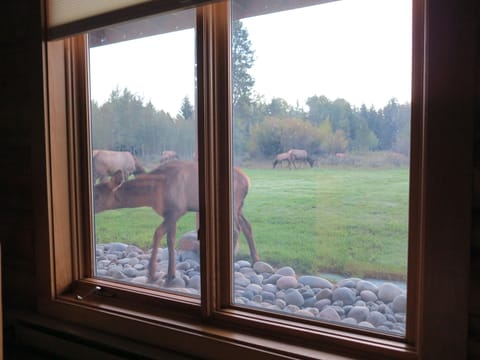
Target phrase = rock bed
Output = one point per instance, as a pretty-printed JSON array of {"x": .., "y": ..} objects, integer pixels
[{"x": 351, "y": 301}]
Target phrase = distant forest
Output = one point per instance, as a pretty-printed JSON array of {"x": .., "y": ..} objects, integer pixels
[{"x": 126, "y": 122}]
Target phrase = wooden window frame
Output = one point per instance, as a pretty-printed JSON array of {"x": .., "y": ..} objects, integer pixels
[{"x": 213, "y": 328}]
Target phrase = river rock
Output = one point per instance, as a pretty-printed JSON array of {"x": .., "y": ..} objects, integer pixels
[
  {"x": 268, "y": 296},
  {"x": 350, "y": 282},
  {"x": 387, "y": 292},
  {"x": 103, "y": 264},
  {"x": 376, "y": 318},
  {"x": 139, "y": 266},
  {"x": 254, "y": 278},
  {"x": 305, "y": 313},
  {"x": 243, "y": 263},
  {"x": 262, "y": 267},
  {"x": 368, "y": 295},
  {"x": 365, "y": 324},
  {"x": 194, "y": 282},
  {"x": 272, "y": 279},
  {"x": 359, "y": 313},
  {"x": 324, "y": 294},
  {"x": 292, "y": 309},
  {"x": 130, "y": 272},
  {"x": 286, "y": 271},
  {"x": 189, "y": 245},
  {"x": 287, "y": 282},
  {"x": 399, "y": 304},
  {"x": 315, "y": 282},
  {"x": 350, "y": 321},
  {"x": 320, "y": 304},
  {"x": 177, "y": 282},
  {"x": 346, "y": 295},
  {"x": 329, "y": 314},
  {"x": 293, "y": 297},
  {"x": 366, "y": 285},
  {"x": 116, "y": 247},
  {"x": 140, "y": 280},
  {"x": 256, "y": 289}
]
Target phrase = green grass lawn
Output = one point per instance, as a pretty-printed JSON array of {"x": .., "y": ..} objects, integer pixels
[{"x": 344, "y": 221}]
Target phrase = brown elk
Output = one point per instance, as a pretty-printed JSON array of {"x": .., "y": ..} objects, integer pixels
[
  {"x": 107, "y": 162},
  {"x": 168, "y": 155},
  {"x": 171, "y": 190},
  {"x": 301, "y": 155},
  {"x": 280, "y": 158}
]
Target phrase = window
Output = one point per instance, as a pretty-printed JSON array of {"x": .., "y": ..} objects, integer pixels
[
  {"x": 142, "y": 85},
  {"x": 328, "y": 100},
  {"x": 79, "y": 292}
]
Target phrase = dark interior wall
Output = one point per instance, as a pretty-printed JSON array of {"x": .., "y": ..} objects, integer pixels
[
  {"x": 22, "y": 107},
  {"x": 474, "y": 314},
  {"x": 21, "y": 117}
]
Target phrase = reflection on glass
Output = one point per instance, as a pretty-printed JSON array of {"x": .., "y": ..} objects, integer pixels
[
  {"x": 321, "y": 126},
  {"x": 143, "y": 134}
]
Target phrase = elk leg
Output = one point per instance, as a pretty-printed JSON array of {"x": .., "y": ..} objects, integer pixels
[
  {"x": 171, "y": 239},
  {"x": 246, "y": 228},
  {"x": 236, "y": 235},
  {"x": 157, "y": 237}
]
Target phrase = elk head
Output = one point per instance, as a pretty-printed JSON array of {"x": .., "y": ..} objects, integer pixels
[{"x": 104, "y": 193}]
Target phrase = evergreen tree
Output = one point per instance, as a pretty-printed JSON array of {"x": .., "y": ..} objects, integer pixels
[
  {"x": 186, "y": 110},
  {"x": 242, "y": 62},
  {"x": 244, "y": 107}
]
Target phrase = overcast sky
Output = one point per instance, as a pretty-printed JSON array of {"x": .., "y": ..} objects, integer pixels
[{"x": 356, "y": 50}]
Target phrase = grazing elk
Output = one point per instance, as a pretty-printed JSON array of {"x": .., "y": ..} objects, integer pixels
[
  {"x": 301, "y": 155},
  {"x": 108, "y": 162},
  {"x": 171, "y": 190},
  {"x": 168, "y": 155},
  {"x": 280, "y": 158}
]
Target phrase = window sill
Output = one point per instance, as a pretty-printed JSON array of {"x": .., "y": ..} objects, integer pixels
[
  {"x": 61, "y": 338},
  {"x": 185, "y": 334}
]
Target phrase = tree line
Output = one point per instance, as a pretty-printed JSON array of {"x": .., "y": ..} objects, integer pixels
[
  {"x": 261, "y": 129},
  {"x": 126, "y": 123},
  {"x": 327, "y": 127}
]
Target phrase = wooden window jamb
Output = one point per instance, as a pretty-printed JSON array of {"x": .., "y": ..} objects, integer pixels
[{"x": 213, "y": 140}]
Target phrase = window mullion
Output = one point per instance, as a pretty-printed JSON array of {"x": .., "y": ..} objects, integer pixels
[
  {"x": 214, "y": 154},
  {"x": 223, "y": 121}
]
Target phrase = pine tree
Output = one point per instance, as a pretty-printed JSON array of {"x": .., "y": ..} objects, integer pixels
[
  {"x": 242, "y": 62},
  {"x": 186, "y": 110}
]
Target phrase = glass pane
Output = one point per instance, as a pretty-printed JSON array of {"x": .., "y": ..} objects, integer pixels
[
  {"x": 143, "y": 134},
  {"x": 321, "y": 126}
]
